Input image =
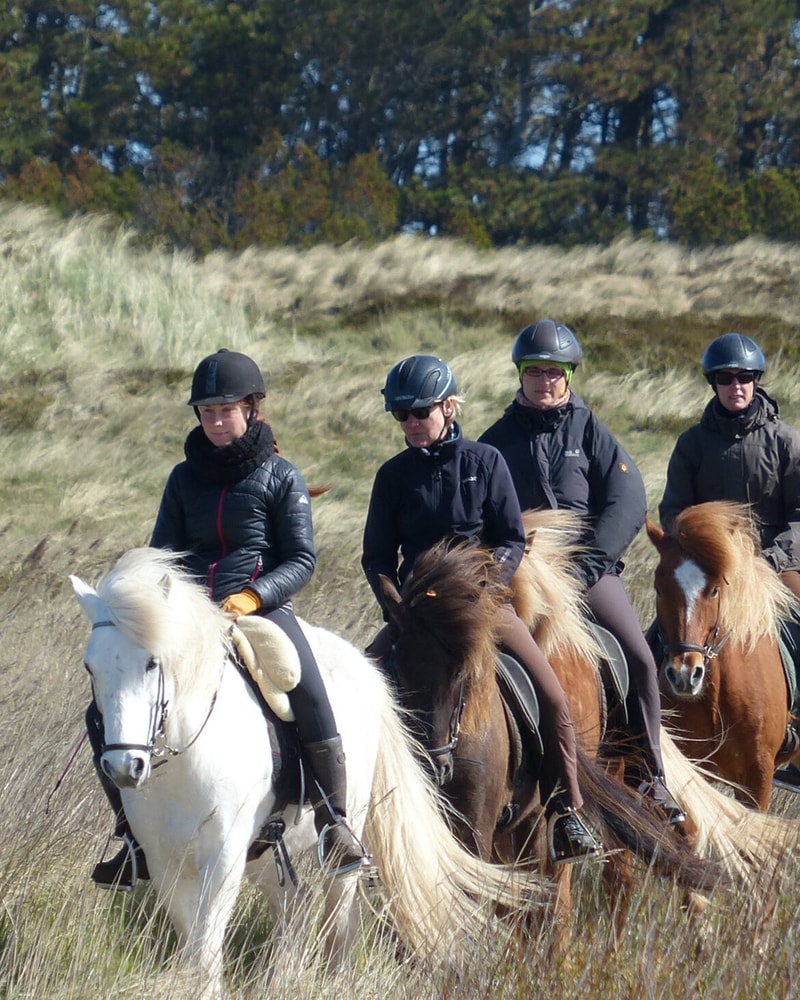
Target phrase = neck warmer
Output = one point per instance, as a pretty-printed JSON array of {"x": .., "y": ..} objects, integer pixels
[{"x": 233, "y": 462}]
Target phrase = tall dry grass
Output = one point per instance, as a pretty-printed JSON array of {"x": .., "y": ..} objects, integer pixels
[{"x": 99, "y": 342}]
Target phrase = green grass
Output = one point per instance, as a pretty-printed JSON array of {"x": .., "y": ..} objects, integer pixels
[{"x": 99, "y": 344}]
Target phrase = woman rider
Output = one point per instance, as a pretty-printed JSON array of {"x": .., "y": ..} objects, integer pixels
[
  {"x": 741, "y": 450},
  {"x": 240, "y": 515},
  {"x": 443, "y": 486},
  {"x": 562, "y": 457}
]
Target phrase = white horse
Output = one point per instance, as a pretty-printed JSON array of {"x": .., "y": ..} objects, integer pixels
[{"x": 189, "y": 746}]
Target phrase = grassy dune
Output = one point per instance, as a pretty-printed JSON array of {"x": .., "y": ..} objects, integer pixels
[{"x": 99, "y": 343}]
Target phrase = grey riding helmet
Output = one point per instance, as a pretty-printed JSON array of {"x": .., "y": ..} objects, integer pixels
[
  {"x": 420, "y": 380},
  {"x": 546, "y": 340},
  {"x": 733, "y": 350}
]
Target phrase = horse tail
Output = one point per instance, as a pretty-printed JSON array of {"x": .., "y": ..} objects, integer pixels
[
  {"x": 437, "y": 891},
  {"x": 625, "y": 821},
  {"x": 748, "y": 843}
]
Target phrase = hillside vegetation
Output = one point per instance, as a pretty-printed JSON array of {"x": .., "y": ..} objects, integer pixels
[{"x": 100, "y": 340}]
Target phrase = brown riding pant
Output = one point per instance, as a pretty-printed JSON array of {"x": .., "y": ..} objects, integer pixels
[{"x": 560, "y": 765}]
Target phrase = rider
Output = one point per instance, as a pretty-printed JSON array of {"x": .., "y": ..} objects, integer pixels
[
  {"x": 741, "y": 450},
  {"x": 241, "y": 516},
  {"x": 443, "y": 486},
  {"x": 562, "y": 457}
]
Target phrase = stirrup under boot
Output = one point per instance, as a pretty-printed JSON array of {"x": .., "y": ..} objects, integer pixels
[
  {"x": 667, "y": 805},
  {"x": 125, "y": 869},
  {"x": 569, "y": 838}
]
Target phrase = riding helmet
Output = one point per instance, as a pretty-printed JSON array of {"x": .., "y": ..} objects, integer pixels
[
  {"x": 226, "y": 377},
  {"x": 733, "y": 350},
  {"x": 546, "y": 340},
  {"x": 420, "y": 380}
]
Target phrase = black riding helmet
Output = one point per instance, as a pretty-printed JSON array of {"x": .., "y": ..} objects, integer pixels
[
  {"x": 546, "y": 340},
  {"x": 420, "y": 380},
  {"x": 226, "y": 377},
  {"x": 733, "y": 350}
]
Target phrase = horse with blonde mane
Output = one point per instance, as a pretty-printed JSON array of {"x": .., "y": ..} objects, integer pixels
[
  {"x": 718, "y": 608},
  {"x": 203, "y": 777}
]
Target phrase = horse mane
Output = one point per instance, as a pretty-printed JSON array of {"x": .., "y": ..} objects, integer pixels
[
  {"x": 453, "y": 593},
  {"x": 161, "y": 607},
  {"x": 545, "y": 591},
  {"x": 722, "y": 538}
]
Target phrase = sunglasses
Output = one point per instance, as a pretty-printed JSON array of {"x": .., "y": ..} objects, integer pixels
[
  {"x": 728, "y": 378},
  {"x": 417, "y": 412}
]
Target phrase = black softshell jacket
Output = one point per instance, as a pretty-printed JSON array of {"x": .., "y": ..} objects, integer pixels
[
  {"x": 565, "y": 458},
  {"x": 753, "y": 459},
  {"x": 456, "y": 489}
]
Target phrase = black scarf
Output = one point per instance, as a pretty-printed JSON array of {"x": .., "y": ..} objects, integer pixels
[{"x": 233, "y": 462}]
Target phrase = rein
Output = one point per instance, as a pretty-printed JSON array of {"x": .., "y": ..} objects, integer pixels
[{"x": 159, "y": 718}]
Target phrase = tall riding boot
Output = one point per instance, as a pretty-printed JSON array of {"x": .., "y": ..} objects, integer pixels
[{"x": 340, "y": 850}]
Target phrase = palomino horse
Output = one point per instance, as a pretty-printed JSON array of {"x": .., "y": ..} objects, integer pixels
[
  {"x": 444, "y": 663},
  {"x": 189, "y": 745},
  {"x": 718, "y": 606}
]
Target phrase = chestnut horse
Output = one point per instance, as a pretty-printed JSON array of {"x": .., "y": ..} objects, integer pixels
[
  {"x": 718, "y": 607},
  {"x": 444, "y": 664}
]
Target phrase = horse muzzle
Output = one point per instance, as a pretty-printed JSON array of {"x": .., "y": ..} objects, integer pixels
[
  {"x": 685, "y": 677},
  {"x": 126, "y": 768}
]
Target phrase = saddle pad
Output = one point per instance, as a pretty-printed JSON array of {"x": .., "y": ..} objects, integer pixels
[
  {"x": 517, "y": 687},
  {"x": 270, "y": 657}
]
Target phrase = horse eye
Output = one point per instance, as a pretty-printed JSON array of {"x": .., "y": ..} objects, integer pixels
[
  {"x": 152, "y": 663},
  {"x": 715, "y": 591}
]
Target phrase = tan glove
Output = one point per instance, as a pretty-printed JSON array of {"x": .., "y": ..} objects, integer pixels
[{"x": 244, "y": 603}]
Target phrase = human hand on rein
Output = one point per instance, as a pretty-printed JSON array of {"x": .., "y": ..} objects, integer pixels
[{"x": 244, "y": 603}]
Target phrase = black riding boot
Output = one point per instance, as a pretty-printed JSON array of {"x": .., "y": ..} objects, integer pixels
[
  {"x": 340, "y": 850},
  {"x": 129, "y": 864}
]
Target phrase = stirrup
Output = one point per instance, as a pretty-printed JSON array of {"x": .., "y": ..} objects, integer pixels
[
  {"x": 117, "y": 884},
  {"x": 355, "y": 864}
]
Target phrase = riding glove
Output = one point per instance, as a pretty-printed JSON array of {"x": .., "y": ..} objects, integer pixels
[{"x": 244, "y": 603}]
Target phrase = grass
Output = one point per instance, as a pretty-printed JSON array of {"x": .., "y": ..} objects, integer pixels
[{"x": 99, "y": 344}]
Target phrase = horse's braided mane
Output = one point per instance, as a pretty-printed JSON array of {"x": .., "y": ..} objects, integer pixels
[
  {"x": 722, "y": 538},
  {"x": 160, "y": 606}
]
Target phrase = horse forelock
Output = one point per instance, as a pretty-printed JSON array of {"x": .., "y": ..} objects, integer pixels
[
  {"x": 453, "y": 595},
  {"x": 160, "y": 607},
  {"x": 721, "y": 538}
]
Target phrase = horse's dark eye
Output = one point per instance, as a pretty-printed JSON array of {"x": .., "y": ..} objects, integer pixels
[{"x": 152, "y": 663}]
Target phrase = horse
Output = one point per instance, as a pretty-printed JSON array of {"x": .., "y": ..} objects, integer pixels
[
  {"x": 444, "y": 666},
  {"x": 190, "y": 747},
  {"x": 722, "y": 680}
]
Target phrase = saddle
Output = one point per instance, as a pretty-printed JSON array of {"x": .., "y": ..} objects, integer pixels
[{"x": 270, "y": 659}]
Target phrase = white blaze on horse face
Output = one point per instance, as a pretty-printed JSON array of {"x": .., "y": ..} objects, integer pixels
[{"x": 691, "y": 580}]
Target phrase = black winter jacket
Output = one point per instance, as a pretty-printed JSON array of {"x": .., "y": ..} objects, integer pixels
[
  {"x": 753, "y": 458},
  {"x": 565, "y": 458},
  {"x": 421, "y": 496},
  {"x": 242, "y": 516}
]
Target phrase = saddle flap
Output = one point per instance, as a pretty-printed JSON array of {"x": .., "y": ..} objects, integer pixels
[
  {"x": 613, "y": 665},
  {"x": 518, "y": 690}
]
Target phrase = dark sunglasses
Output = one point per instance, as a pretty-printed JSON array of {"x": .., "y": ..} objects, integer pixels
[
  {"x": 417, "y": 412},
  {"x": 727, "y": 378}
]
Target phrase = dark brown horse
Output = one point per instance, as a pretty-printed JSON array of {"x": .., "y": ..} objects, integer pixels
[{"x": 718, "y": 605}]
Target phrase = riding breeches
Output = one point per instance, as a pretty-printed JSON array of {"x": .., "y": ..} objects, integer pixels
[
  {"x": 609, "y": 603},
  {"x": 309, "y": 700},
  {"x": 560, "y": 765}
]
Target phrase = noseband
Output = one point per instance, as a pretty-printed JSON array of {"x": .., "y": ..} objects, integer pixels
[
  {"x": 442, "y": 757},
  {"x": 157, "y": 745},
  {"x": 709, "y": 650}
]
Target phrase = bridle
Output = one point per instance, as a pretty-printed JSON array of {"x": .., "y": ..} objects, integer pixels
[
  {"x": 710, "y": 650},
  {"x": 157, "y": 745},
  {"x": 442, "y": 757}
]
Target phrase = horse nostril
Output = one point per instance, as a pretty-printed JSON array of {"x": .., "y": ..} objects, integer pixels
[
  {"x": 671, "y": 676},
  {"x": 137, "y": 768}
]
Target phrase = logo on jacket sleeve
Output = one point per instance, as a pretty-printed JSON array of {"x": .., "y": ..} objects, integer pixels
[{"x": 623, "y": 466}]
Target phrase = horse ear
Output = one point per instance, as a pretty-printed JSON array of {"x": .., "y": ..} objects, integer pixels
[
  {"x": 654, "y": 533},
  {"x": 165, "y": 584},
  {"x": 92, "y": 606},
  {"x": 391, "y": 595}
]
